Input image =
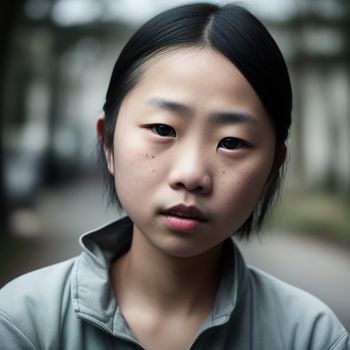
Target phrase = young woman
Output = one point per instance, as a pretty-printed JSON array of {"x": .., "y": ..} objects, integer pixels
[{"x": 193, "y": 136}]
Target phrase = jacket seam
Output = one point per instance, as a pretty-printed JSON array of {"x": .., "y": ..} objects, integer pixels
[
  {"x": 338, "y": 340},
  {"x": 8, "y": 319},
  {"x": 77, "y": 285}
]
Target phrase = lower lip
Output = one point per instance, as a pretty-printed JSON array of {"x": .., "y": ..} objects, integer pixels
[{"x": 181, "y": 223}]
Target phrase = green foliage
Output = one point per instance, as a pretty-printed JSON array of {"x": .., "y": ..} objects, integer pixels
[{"x": 316, "y": 213}]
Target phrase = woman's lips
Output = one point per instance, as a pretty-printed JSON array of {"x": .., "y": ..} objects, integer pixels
[{"x": 183, "y": 218}]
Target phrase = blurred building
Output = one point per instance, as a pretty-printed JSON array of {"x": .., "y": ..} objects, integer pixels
[{"x": 60, "y": 56}]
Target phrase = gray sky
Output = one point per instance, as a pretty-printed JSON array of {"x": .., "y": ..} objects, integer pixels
[{"x": 68, "y": 12}]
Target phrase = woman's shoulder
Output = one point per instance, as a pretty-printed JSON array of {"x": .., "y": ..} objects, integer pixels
[
  {"x": 272, "y": 289},
  {"x": 33, "y": 301},
  {"x": 36, "y": 298},
  {"x": 39, "y": 282},
  {"x": 37, "y": 287},
  {"x": 295, "y": 312}
]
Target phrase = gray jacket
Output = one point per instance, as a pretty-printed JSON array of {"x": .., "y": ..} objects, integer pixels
[{"x": 70, "y": 305}]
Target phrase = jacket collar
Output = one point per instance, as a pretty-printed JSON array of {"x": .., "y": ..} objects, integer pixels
[{"x": 92, "y": 294}]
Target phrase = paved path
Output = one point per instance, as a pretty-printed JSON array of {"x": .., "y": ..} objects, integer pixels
[
  {"x": 318, "y": 267},
  {"x": 61, "y": 215}
]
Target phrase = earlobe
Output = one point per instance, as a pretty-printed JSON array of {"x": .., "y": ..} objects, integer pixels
[
  {"x": 107, "y": 151},
  {"x": 110, "y": 161}
]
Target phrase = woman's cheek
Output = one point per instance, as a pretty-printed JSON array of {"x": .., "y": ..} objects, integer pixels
[
  {"x": 243, "y": 187},
  {"x": 134, "y": 167}
]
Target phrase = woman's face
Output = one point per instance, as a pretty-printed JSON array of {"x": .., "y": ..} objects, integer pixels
[{"x": 193, "y": 151}]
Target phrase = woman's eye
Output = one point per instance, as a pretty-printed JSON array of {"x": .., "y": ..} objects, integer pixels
[
  {"x": 231, "y": 143},
  {"x": 163, "y": 130}
]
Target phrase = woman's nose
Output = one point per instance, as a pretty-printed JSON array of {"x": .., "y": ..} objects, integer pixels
[{"x": 190, "y": 172}]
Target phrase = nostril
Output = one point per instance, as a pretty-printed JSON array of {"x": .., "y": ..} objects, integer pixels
[
  {"x": 190, "y": 187},
  {"x": 190, "y": 181}
]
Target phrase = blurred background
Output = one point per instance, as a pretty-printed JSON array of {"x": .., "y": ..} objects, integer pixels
[{"x": 56, "y": 58}]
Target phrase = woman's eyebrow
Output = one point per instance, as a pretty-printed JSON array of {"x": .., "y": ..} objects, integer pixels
[
  {"x": 233, "y": 118},
  {"x": 215, "y": 117},
  {"x": 171, "y": 106}
]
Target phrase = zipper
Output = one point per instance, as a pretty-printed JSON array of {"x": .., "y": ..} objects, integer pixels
[
  {"x": 201, "y": 333},
  {"x": 133, "y": 341},
  {"x": 108, "y": 331}
]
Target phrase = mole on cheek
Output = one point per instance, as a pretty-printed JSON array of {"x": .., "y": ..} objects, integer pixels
[
  {"x": 223, "y": 178},
  {"x": 147, "y": 156}
]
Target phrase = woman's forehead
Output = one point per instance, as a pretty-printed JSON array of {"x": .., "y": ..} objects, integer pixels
[{"x": 197, "y": 78}]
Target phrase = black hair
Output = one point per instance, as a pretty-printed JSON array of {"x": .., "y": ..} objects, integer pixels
[{"x": 235, "y": 33}]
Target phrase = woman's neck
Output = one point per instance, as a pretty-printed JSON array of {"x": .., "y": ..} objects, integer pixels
[{"x": 162, "y": 282}]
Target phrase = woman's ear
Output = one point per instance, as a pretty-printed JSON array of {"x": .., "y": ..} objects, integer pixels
[
  {"x": 99, "y": 127},
  {"x": 107, "y": 151}
]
